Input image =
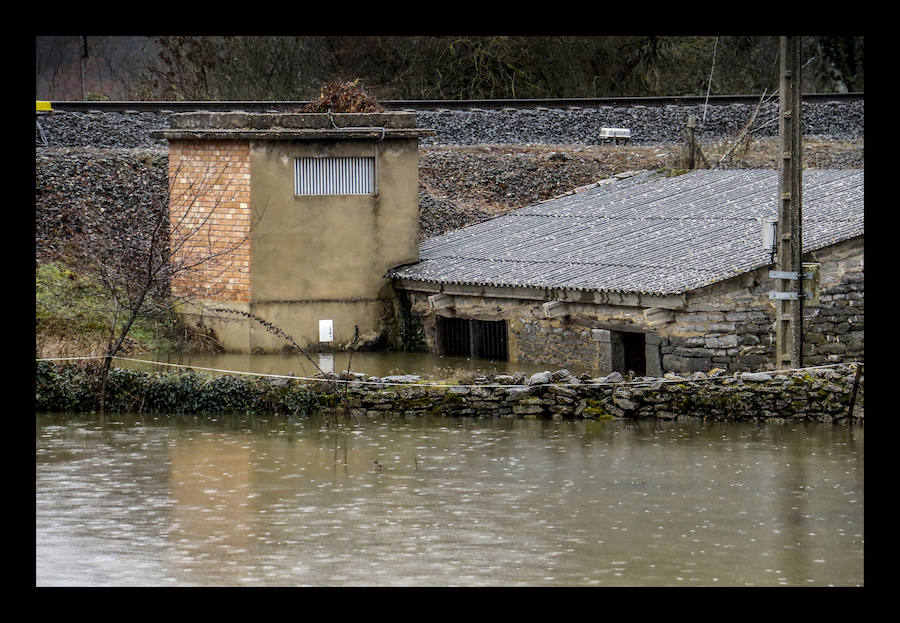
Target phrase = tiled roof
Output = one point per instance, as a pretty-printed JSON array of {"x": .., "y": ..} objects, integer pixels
[{"x": 643, "y": 234}]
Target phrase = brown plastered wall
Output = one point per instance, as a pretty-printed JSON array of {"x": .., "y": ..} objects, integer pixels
[
  {"x": 325, "y": 256},
  {"x": 210, "y": 218}
]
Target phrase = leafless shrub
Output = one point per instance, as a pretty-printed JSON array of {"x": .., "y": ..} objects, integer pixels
[{"x": 343, "y": 97}]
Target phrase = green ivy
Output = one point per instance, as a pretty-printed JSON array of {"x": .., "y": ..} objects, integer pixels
[
  {"x": 61, "y": 387},
  {"x": 66, "y": 387}
]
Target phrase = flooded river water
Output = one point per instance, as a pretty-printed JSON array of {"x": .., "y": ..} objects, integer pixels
[
  {"x": 431, "y": 501},
  {"x": 383, "y": 363}
]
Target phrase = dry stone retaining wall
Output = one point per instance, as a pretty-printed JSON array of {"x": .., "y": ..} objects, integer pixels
[
  {"x": 818, "y": 394},
  {"x": 828, "y": 393}
]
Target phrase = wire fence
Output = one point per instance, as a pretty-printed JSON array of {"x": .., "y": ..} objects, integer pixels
[{"x": 678, "y": 379}]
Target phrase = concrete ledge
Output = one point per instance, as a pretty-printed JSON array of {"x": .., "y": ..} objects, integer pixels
[{"x": 292, "y": 126}]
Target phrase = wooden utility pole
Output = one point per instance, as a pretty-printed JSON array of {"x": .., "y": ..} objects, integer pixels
[
  {"x": 84, "y": 55},
  {"x": 691, "y": 142},
  {"x": 789, "y": 244}
]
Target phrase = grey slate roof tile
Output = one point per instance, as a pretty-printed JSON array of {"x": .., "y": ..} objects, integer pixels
[{"x": 642, "y": 234}]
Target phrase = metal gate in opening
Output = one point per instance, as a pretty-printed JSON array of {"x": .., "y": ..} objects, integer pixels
[{"x": 480, "y": 339}]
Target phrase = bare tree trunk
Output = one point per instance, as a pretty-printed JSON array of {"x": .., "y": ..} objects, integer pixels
[
  {"x": 104, "y": 379},
  {"x": 136, "y": 275}
]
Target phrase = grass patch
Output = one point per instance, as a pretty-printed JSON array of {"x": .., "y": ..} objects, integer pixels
[{"x": 74, "y": 311}]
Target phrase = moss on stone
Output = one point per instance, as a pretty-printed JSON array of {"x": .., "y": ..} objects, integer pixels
[{"x": 595, "y": 409}]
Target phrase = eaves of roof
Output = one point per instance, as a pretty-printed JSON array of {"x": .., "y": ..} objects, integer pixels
[{"x": 645, "y": 234}]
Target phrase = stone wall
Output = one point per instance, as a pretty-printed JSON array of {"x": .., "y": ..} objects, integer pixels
[
  {"x": 727, "y": 325},
  {"x": 557, "y": 342},
  {"x": 819, "y": 394},
  {"x": 826, "y": 393},
  {"x": 834, "y": 330},
  {"x": 731, "y": 324}
]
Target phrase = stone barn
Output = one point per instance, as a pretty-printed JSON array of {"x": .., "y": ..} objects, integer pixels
[{"x": 643, "y": 273}]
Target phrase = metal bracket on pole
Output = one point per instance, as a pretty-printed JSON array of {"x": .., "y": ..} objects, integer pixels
[
  {"x": 782, "y": 274},
  {"x": 785, "y": 274},
  {"x": 784, "y": 296}
]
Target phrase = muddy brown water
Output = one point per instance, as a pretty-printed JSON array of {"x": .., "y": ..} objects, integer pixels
[
  {"x": 426, "y": 365},
  {"x": 446, "y": 501}
]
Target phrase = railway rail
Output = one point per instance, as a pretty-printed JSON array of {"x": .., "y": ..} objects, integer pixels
[{"x": 520, "y": 104}]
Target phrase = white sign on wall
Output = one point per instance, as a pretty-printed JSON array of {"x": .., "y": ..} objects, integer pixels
[{"x": 326, "y": 331}]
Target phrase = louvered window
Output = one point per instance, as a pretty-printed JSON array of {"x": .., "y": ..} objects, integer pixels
[{"x": 334, "y": 176}]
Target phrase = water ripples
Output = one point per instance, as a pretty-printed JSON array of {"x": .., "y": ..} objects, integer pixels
[{"x": 429, "y": 501}]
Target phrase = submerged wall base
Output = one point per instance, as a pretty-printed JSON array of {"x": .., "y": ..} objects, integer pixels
[
  {"x": 832, "y": 393},
  {"x": 819, "y": 394}
]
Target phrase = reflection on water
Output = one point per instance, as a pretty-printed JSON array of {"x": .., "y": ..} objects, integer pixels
[
  {"x": 427, "y": 365},
  {"x": 446, "y": 501}
]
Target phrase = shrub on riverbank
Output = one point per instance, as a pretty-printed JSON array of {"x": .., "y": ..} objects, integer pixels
[{"x": 73, "y": 387}]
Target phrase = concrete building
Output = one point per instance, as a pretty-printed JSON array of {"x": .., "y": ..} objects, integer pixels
[
  {"x": 292, "y": 218},
  {"x": 642, "y": 273}
]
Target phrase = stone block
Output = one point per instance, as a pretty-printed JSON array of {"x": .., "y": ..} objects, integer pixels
[
  {"x": 540, "y": 378},
  {"x": 527, "y": 409},
  {"x": 686, "y": 364}
]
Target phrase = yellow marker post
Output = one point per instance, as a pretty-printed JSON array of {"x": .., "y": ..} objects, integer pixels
[{"x": 43, "y": 107}]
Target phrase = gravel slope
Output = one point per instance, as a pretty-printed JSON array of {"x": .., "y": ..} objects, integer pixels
[{"x": 98, "y": 166}]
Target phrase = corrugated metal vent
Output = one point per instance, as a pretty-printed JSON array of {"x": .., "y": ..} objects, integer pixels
[{"x": 334, "y": 176}]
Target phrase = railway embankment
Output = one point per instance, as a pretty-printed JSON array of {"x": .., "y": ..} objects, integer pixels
[
  {"x": 573, "y": 125},
  {"x": 94, "y": 166}
]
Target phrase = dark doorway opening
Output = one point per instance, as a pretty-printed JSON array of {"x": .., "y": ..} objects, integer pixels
[
  {"x": 453, "y": 336},
  {"x": 480, "y": 339},
  {"x": 634, "y": 353}
]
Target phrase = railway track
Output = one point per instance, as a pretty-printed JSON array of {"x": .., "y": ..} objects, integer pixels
[{"x": 516, "y": 104}]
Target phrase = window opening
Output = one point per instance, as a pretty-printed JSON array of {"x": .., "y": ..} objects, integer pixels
[
  {"x": 480, "y": 339},
  {"x": 453, "y": 336},
  {"x": 334, "y": 176}
]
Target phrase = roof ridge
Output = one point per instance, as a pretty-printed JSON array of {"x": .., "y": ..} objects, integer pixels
[{"x": 604, "y": 182}]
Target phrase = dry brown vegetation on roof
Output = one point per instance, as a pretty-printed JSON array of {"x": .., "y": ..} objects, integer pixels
[{"x": 343, "y": 97}]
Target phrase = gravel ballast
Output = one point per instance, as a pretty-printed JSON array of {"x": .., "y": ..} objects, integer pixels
[{"x": 649, "y": 125}]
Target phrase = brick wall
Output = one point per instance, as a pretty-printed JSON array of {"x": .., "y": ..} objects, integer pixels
[{"x": 210, "y": 218}]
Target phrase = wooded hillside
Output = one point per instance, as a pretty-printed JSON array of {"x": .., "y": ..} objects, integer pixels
[{"x": 427, "y": 67}]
